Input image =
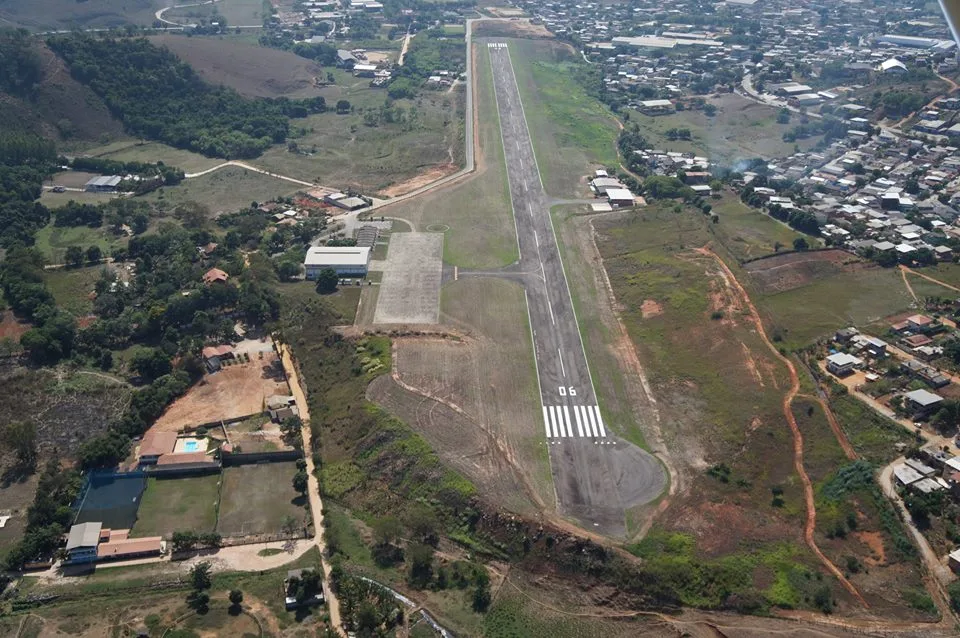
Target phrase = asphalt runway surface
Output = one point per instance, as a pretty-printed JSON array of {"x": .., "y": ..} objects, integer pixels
[{"x": 597, "y": 475}]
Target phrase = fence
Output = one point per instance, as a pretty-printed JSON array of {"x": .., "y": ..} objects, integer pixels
[{"x": 234, "y": 459}]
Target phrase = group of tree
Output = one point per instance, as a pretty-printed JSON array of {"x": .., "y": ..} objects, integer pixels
[
  {"x": 48, "y": 517},
  {"x": 25, "y": 161},
  {"x": 20, "y": 65},
  {"x": 159, "y": 97},
  {"x": 665, "y": 187},
  {"x": 798, "y": 219},
  {"x": 185, "y": 541},
  {"x": 198, "y": 599},
  {"x": 674, "y": 134}
]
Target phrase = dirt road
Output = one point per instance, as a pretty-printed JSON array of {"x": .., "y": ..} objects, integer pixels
[
  {"x": 316, "y": 506},
  {"x": 811, "y": 523},
  {"x": 907, "y": 269}
]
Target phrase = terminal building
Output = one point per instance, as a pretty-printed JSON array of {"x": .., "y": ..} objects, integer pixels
[{"x": 346, "y": 261}]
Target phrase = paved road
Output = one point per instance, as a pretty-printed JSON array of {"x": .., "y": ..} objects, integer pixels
[{"x": 597, "y": 475}]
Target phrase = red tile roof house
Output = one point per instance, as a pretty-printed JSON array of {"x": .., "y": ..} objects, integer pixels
[
  {"x": 215, "y": 275},
  {"x": 154, "y": 445}
]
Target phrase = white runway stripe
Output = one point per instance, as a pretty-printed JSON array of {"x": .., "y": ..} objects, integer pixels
[
  {"x": 596, "y": 409},
  {"x": 576, "y": 415},
  {"x": 558, "y": 424}
]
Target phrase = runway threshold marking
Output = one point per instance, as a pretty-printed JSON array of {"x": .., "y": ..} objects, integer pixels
[{"x": 557, "y": 423}]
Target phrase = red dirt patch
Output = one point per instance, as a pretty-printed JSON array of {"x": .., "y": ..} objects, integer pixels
[
  {"x": 873, "y": 540},
  {"x": 11, "y": 327},
  {"x": 720, "y": 527},
  {"x": 430, "y": 175},
  {"x": 650, "y": 308}
]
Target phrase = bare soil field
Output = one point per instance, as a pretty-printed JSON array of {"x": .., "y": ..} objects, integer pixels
[
  {"x": 235, "y": 391},
  {"x": 418, "y": 181},
  {"x": 793, "y": 270},
  {"x": 247, "y": 68},
  {"x": 11, "y": 327},
  {"x": 475, "y": 400},
  {"x": 518, "y": 29}
]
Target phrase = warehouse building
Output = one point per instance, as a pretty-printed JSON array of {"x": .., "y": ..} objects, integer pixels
[
  {"x": 346, "y": 261},
  {"x": 103, "y": 184}
]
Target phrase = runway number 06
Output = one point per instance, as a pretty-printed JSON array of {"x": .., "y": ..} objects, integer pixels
[{"x": 565, "y": 391}]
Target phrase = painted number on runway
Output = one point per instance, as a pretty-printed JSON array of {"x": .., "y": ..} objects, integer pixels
[
  {"x": 567, "y": 391},
  {"x": 558, "y": 423}
]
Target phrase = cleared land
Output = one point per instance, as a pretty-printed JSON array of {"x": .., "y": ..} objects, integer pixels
[
  {"x": 15, "y": 498},
  {"x": 53, "y": 241},
  {"x": 748, "y": 233},
  {"x": 235, "y": 391},
  {"x": 227, "y": 189},
  {"x": 178, "y": 504},
  {"x": 255, "y": 499},
  {"x": 477, "y": 211},
  {"x": 410, "y": 288},
  {"x": 249, "y": 69},
  {"x": 72, "y": 288},
  {"x": 475, "y": 400},
  {"x": 741, "y": 129},
  {"x": 572, "y": 132}
]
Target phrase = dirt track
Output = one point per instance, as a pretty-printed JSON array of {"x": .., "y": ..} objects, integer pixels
[{"x": 792, "y": 393}]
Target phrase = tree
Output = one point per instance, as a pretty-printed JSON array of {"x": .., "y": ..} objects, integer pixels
[
  {"x": 301, "y": 482},
  {"x": 200, "y": 576},
  {"x": 327, "y": 281},
  {"x": 421, "y": 565},
  {"x": 94, "y": 254},
  {"x": 150, "y": 363},
  {"x": 800, "y": 244},
  {"x": 199, "y": 601},
  {"x": 343, "y": 106},
  {"x": 20, "y": 437},
  {"x": 288, "y": 270},
  {"x": 709, "y": 110},
  {"x": 73, "y": 256},
  {"x": 481, "y": 597},
  {"x": 235, "y": 597},
  {"x": 386, "y": 533},
  {"x": 184, "y": 541},
  {"x": 291, "y": 425}
]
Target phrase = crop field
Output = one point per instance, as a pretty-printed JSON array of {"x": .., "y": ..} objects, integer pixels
[
  {"x": 477, "y": 214},
  {"x": 178, "y": 504},
  {"x": 255, "y": 499},
  {"x": 138, "y": 151},
  {"x": 476, "y": 400},
  {"x": 235, "y": 391},
  {"x": 571, "y": 130},
  {"x": 748, "y": 233},
  {"x": 741, "y": 129},
  {"x": 227, "y": 189}
]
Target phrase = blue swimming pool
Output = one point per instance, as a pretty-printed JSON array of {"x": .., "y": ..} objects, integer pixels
[{"x": 191, "y": 446}]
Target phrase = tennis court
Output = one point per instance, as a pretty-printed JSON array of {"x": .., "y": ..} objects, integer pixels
[{"x": 112, "y": 500}]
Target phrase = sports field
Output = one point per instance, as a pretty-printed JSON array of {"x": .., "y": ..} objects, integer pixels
[
  {"x": 178, "y": 504},
  {"x": 257, "y": 498}
]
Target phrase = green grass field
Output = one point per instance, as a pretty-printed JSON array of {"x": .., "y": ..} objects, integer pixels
[
  {"x": 748, "y": 233},
  {"x": 741, "y": 129},
  {"x": 227, "y": 189},
  {"x": 482, "y": 232},
  {"x": 571, "y": 130},
  {"x": 55, "y": 14},
  {"x": 135, "y": 151},
  {"x": 178, "y": 504},
  {"x": 53, "y": 241},
  {"x": 71, "y": 287},
  {"x": 843, "y": 299},
  {"x": 256, "y": 499}
]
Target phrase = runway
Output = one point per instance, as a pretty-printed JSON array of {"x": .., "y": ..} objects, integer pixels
[{"x": 597, "y": 475}]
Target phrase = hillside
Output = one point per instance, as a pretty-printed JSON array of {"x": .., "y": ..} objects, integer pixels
[
  {"x": 59, "y": 107},
  {"x": 250, "y": 70}
]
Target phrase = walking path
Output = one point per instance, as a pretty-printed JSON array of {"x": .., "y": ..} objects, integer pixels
[{"x": 316, "y": 506}]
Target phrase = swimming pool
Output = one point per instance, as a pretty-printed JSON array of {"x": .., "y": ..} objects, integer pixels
[{"x": 191, "y": 446}]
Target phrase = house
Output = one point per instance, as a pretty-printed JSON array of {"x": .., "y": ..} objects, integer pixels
[
  {"x": 620, "y": 197},
  {"x": 364, "y": 70},
  {"x": 917, "y": 341},
  {"x": 115, "y": 545},
  {"x": 82, "y": 543},
  {"x": 215, "y": 275},
  {"x": 345, "y": 59},
  {"x": 346, "y": 261},
  {"x": 154, "y": 445},
  {"x": 103, "y": 184},
  {"x": 922, "y": 402},
  {"x": 953, "y": 560},
  {"x": 206, "y": 251},
  {"x": 213, "y": 356},
  {"x": 906, "y": 475},
  {"x": 656, "y": 107},
  {"x": 921, "y": 468},
  {"x": 281, "y": 406},
  {"x": 844, "y": 335},
  {"x": 919, "y": 323},
  {"x": 302, "y": 587},
  {"x": 842, "y": 364}
]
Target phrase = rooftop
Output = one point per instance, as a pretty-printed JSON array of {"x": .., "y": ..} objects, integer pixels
[
  {"x": 84, "y": 535},
  {"x": 337, "y": 256}
]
